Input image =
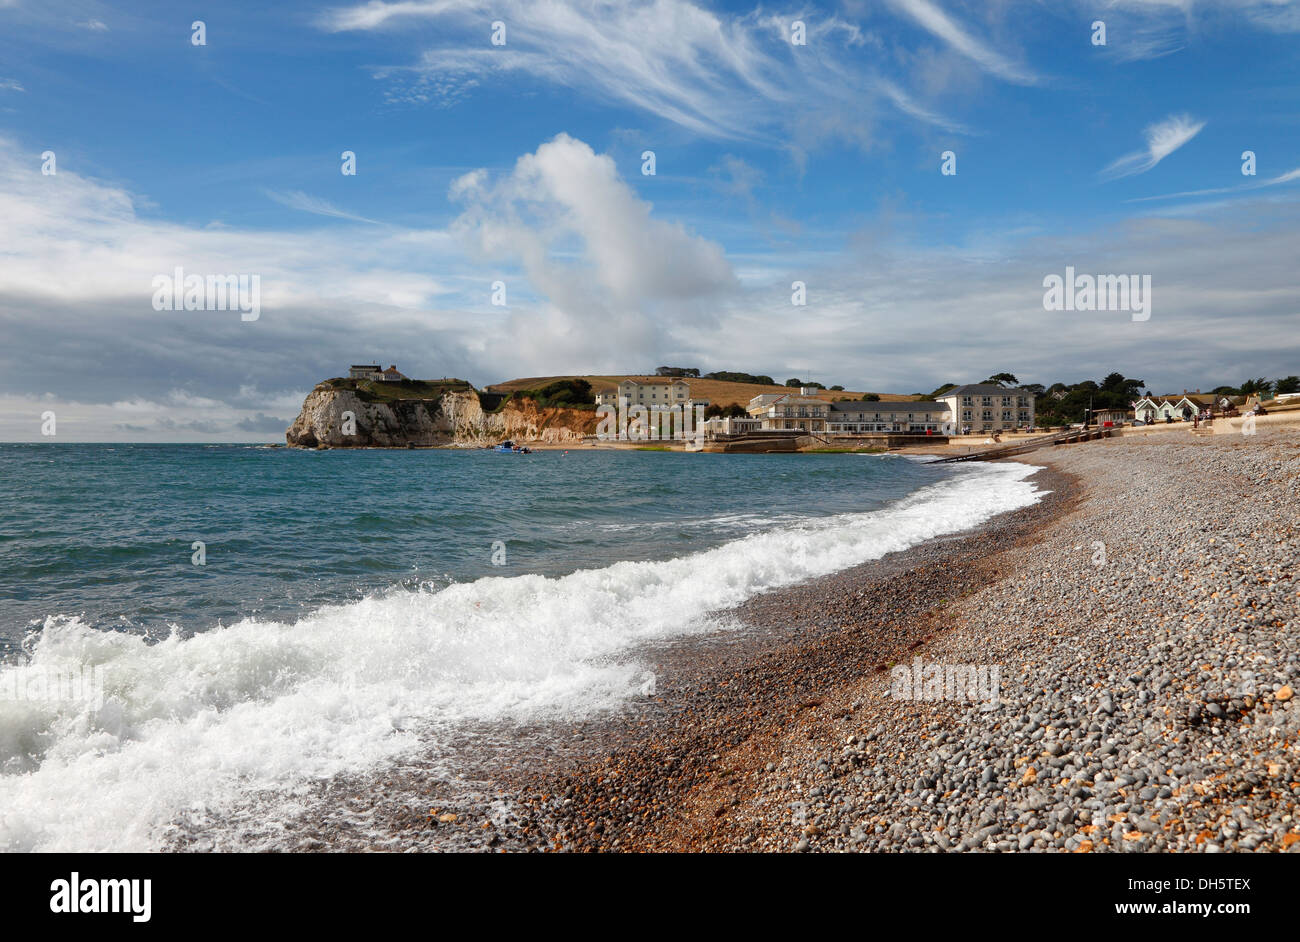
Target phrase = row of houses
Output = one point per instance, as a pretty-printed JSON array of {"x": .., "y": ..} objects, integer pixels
[{"x": 1186, "y": 407}]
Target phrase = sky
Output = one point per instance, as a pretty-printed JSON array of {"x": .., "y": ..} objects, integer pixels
[{"x": 502, "y": 148}]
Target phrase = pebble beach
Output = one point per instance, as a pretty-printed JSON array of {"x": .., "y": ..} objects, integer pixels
[{"x": 1144, "y": 619}]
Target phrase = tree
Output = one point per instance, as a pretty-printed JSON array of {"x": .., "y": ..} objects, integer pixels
[
  {"x": 1121, "y": 388},
  {"x": 870, "y": 397},
  {"x": 1260, "y": 387},
  {"x": 1223, "y": 391},
  {"x": 837, "y": 388},
  {"x": 732, "y": 377},
  {"x": 942, "y": 389},
  {"x": 794, "y": 382},
  {"x": 1287, "y": 384},
  {"x": 1003, "y": 379}
]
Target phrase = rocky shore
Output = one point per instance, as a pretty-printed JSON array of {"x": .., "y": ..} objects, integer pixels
[{"x": 1143, "y": 618}]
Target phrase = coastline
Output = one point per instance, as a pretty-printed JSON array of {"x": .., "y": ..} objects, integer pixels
[{"x": 1123, "y": 722}]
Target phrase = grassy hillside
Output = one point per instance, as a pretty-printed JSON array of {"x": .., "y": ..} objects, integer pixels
[
  {"x": 716, "y": 391},
  {"x": 370, "y": 391}
]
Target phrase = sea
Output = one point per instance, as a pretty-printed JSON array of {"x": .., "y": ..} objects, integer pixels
[{"x": 186, "y": 627}]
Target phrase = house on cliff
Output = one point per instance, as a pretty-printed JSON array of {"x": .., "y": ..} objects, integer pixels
[{"x": 375, "y": 373}]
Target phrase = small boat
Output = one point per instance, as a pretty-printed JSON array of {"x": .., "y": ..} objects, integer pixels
[{"x": 508, "y": 447}]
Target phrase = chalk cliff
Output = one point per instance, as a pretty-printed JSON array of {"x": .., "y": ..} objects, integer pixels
[{"x": 449, "y": 416}]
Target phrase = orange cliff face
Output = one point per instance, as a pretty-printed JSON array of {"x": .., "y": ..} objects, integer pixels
[{"x": 334, "y": 417}]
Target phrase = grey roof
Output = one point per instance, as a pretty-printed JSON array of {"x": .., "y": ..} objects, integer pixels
[
  {"x": 861, "y": 406},
  {"x": 985, "y": 389}
]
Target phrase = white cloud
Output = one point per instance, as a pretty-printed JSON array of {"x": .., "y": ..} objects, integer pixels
[
  {"x": 1150, "y": 29},
  {"x": 944, "y": 27},
  {"x": 1289, "y": 177},
  {"x": 95, "y": 26},
  {"x": 1163, "y": 138},
  {"x": 11, "y": 85},
  {"x": 717, "y": 75},
  {"x": 305, "y": 202},
  {"x": 611, "y": 272}
]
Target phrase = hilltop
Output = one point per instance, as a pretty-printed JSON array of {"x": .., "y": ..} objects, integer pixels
[{"x": 718, "y": 392}]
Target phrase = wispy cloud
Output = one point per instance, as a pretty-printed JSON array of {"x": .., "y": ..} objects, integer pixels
[
  {"x": 1151, "y": 29},
  {"x": 723, "y": 76},
  {"x": 11, "y": 85},
  {"x": 1163, "y": 138},
  {"x": 96, "y": 26},
  {"x": 935, "y": 21},
  {"x": 1289, "y": 177},
  {"x": 305, "y": 202}
]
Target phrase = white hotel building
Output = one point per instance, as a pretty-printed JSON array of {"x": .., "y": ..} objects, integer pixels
[
  {"x": 651, "y": 393},
  {"x": 985, "y": 407}
]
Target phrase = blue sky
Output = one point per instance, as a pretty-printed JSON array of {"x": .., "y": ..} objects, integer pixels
[{"x": 522, "y": 163}]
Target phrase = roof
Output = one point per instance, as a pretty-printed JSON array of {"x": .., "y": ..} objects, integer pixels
[
  {"x": 364, "y": 366},
  {"x": 656, "y": 381},
  {"x": 984, "y": 389},
  {"x": 859, "y": 405},
  {"x": 791, "y": 399}
]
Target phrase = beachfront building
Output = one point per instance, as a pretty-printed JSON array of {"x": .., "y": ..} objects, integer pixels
[
  {"x": 915, "y": 418},
  {"x": 1113, "y": 416},
  {"x": 785, "y": 412},
  {"x": 1166, "y": 409},
  {"x": 391, "y": 375},
  {"x": 987, "y": 407},
  {"x": 731, "y": 425}
]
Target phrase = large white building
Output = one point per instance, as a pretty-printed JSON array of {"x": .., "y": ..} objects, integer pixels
[
  {"x": 792, "y": 411},
  {"x": 649, "y": 392},
  {"x": 986, "y": 407},
  {"x": 915, "y": 418}
]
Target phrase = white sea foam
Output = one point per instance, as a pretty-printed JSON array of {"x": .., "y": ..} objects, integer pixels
[{"x": 191, "y": 725}]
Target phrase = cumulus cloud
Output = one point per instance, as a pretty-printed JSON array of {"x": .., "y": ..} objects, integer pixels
[{"x": 590, "y": 245}]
